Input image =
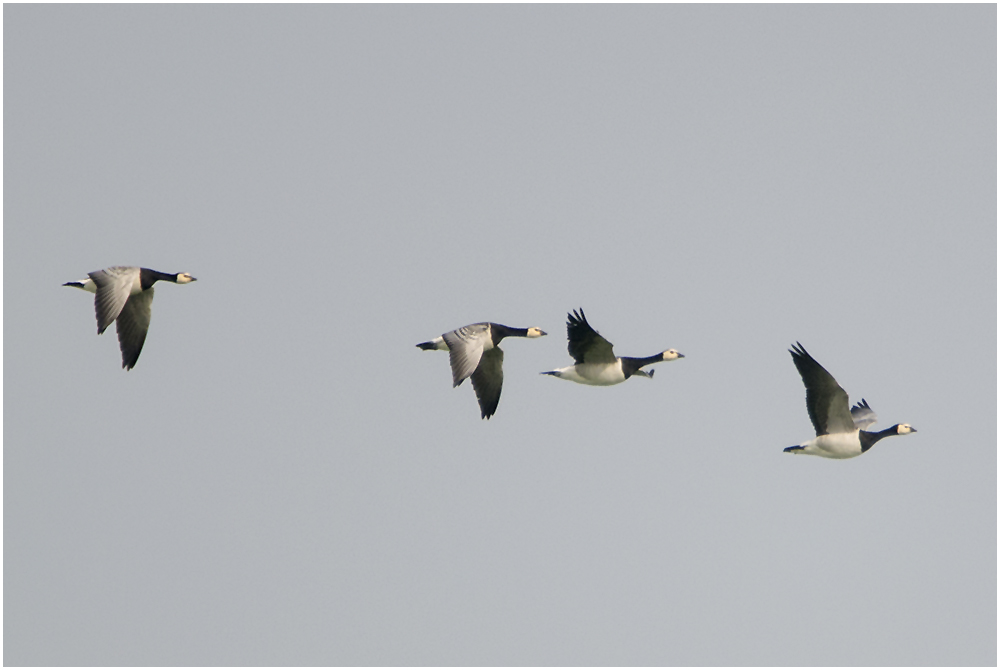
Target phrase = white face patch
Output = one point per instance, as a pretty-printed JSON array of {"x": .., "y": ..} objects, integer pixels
[
  {"x": 672, "y": 355},
  {"x": 905, "y": 429},
  {"x": 535, "y": 332},
  {"x": 184, "y": 278}
]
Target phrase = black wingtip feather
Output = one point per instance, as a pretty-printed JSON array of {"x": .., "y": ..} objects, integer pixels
[{"x": 800, "y": 355}]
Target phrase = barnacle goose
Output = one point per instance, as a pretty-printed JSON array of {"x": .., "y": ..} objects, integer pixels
[
  {"x": 475, "y": 352},
  {"x": 124, "y": 295},
  {"x": 840, "y": 431},
  {"x": 596, "y": 363}
]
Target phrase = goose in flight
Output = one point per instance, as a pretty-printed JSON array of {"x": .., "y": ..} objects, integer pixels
[
  {"x": 840, "y": 432},
  {"x": 124, "y": 295},
  {"x": 475, "y": 352},
  {"x": 596, "y": 363}
]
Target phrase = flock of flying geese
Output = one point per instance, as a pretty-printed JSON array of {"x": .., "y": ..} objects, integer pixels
[{"x": 124, "y": 295}]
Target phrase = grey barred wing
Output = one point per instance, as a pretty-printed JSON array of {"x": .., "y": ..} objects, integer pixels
[
  {"x": 465, "y": 347},
  {"x": 487, "y": 380},
  {"x": 132, "y": 326},
  {"x": 863, "y": 415},
  {"x": 113, "y": 288}
]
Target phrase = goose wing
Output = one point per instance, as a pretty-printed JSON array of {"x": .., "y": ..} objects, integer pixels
[
  {"x": 585, "y": 344},
  {"x": 826, "y": 401},
  {"x": 113, "y": 288},
  {"x": 465, "y": 346},
  {"x": 863, "y": 415},
  {"x": 487, "y": 380},
  {"x": 132, "y": 325}
]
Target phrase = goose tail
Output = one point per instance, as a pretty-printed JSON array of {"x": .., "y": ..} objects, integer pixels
[
  {"x": 84, "y": 284},
  {"x": 437, "y": 343}
]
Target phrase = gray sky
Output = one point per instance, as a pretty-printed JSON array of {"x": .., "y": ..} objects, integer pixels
[{"x": 285, "y": 479}]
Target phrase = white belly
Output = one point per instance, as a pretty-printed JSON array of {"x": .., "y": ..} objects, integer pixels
[
  {"x": 839, "y": 445},
  {"x": 594, "y": 375}
]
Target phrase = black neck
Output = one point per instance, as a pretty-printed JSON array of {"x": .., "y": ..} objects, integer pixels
[
  {"x": 498, "y": 332},
  {"x": 630, "y": 365},
  {"x": 868, "y": 440},
  {"x": 149, "y": 277}
]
